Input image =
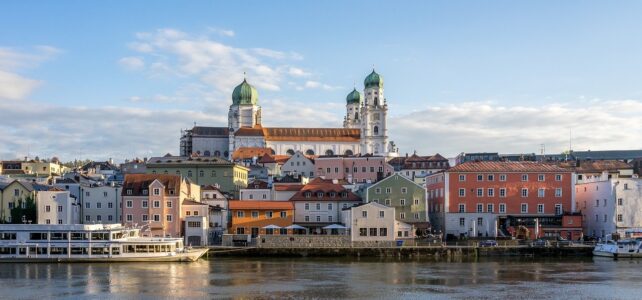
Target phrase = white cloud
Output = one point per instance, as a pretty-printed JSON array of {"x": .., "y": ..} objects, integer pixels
[
  {"x": 221, "y": 31},
  {"x": 132, "y": 62},
  {"x": 298, "y": 72},
  {"x": 311, "y": 84},
  {"x": 482, "y": 126},
  {"x": 14, "y": 86}
]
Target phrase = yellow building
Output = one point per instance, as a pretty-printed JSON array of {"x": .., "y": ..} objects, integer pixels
[
  {"x": 10, "y": 193},
  {"x": 40, "y": 167}
]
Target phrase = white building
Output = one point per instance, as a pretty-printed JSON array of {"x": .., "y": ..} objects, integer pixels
[
  {"x": 364, "y": 129},
  {"x": 56, "y": 206},
  {"x": 610, "y": 205},
  {"x": 196, "y": 231},
  {"x": 101, "y": 204},
  {"x": 299, "y": 165},
  {"x": 374, "y": 222}
]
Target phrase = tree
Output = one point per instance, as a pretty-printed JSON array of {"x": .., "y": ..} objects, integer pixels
[{"x": 29, "y": 211}]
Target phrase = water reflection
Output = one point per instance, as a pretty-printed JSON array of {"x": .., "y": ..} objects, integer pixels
[{"x": 327, "y": 278}]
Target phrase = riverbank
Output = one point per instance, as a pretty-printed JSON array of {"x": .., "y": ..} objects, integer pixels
[{"x": 410, "y": 252}]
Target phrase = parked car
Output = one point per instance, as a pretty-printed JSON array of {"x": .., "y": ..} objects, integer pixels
[
  {"x": 540, "y": 243},
  {"x": 488, "y": 243}
]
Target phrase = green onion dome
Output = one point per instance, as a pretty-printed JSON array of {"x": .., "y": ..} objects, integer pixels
[
  {"x": 354, "y": 97},
  {"x": 373, "y": 80},
  {"x": 245, "y": 94}
]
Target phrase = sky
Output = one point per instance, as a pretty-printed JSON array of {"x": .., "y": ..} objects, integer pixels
[{"x": 120, "y": 79}]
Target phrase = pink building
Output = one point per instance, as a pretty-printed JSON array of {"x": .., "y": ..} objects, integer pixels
[
  {"x": 354, "y": 169},
  {"x": 157, "y": 201}
]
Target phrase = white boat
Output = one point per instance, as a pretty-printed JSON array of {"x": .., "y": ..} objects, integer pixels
[
  {"x": 630, "y": 248},
  {"x": 88, "y": 243}
]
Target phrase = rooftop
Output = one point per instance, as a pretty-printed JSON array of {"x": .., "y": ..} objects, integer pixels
[
  {"x": 506, "y": 166},
  {"x": 260, "y": 205}
]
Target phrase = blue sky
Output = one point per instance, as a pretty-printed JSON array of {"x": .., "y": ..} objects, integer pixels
[{"x": 120, "y": 79}]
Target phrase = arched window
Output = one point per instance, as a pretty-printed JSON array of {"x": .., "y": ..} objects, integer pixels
[
  {"x": 356, "y": 116},
  {"x": 226, "y": 154},
  {"x": 376, "y": 130},
  {"x": 272, "y": 151},
  {"x": 348, "y": 152},
  {"x": 290, "y": 152},
  {"x": 207, "y": 153},
  {"x": 198, "y": 153},
  {"x": 329, "y": 152},
  {"x": 217, "y": 153},
  {"x": 309, "y": 152}
]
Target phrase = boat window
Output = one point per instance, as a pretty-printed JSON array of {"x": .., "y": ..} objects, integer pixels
[
  {"x": 117, "y": 235},
  {"x": 57, "y": 251},
  {"x": 38, "y": 236},
  {"x": 79, "y": 251},
  {"x": 100, "y": 236},
  {"x": 115, "y": 251},
  {"x": 59, "y": 236},
  {"x": 7, "y": 250},
  {"x": 37, "y": 250},
  {"x": 7, "y": 236},
  {"x": 128, "y": 249},
  {"x": 99, "y": 251},
  {"x": 76, "y": 236},
  {"x": 141, "y": 248}
]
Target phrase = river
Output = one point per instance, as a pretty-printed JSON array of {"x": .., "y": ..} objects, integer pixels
[{"x": 328, "y": 278}]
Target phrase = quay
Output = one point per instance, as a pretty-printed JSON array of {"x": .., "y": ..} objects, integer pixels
[{"x": 445, "y": 252}]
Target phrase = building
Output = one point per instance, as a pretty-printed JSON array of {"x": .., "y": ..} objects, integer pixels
[
  {"x": 299, "y": 165},
  {"x": 101, "y": 204},
  {"x": 416, "y": 167},
  {"x": 136, "y": 166},
  {"x": 46, "y": 168},
  {"x": 70, "y": 185},
  {"x": 374, "y": 222},
  {"x": 589, "y": 170},
  {"x": 319, "y": 203},
  {"x": 257, "y": 190},
  {"x": 195, "y": 222},
  {"x": 12, "y": 194},
  {"x": 364, "y": 128},
  {"x": 156, "y": 201},
  {"x": 56, "y": 206},
  {"x": 219, "y": 216},
  {"x": 250, "y": 217},
  {"x": 407, "y": 197},
  {"x": 229, "y": 177},
  {"x": 353, "y": 169},
  {"x": 621, "y": 155},
  {"x": 610, "y": 205},
  {"x": 490, "y": 198}
]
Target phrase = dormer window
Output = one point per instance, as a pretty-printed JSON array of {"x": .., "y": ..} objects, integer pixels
[
  {"x": 333, "y": 194},
  {"x": 129, "y": 191},
  {"x": 344, "y": 195},
  {"x": 171, "y": 192},
  {"x": 145, "y": 192},
  {"x": 320, "y": 194},
  {"x": 308, "y": 194}
]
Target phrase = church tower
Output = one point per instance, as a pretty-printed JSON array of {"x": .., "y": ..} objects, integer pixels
[
  {"x": 353, "y": 110},
  {"x": 374, "y": 132},
  {"x": 244, "y": 111}
]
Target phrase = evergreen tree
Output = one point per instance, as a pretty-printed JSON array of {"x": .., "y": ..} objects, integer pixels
[{"x": 29, "y": 211}]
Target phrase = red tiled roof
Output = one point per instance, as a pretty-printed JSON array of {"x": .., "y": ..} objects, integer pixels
[
  {"x": 597, "y": 166},
  {"x": 319, "y": 185},
  {"x": 249, "y": 204},
  {"x": 312, "y": 134},
  {"x": 288, "y": 187},
  {"x": 506, "y": 166},
  {"x": 246, "y": 131},
  {"x": 210, "y": 187},
  {"x": 190, "y": 202},
  {"x": 266, "y": 159},
  {"x": 250, "y": 152},
  {"x": 138, "y": 182}
]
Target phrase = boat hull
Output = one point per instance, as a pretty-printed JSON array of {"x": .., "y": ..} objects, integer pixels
[{"x": 190, "y": 256}]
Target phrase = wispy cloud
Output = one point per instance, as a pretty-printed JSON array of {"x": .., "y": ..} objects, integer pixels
[
  {"x": 221, "y": 31},
  {"x": 14, "y": 86},
  {"x": 132, "y": 62}
]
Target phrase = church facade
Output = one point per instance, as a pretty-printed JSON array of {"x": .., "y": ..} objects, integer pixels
[{"x": 364, "y": 128}]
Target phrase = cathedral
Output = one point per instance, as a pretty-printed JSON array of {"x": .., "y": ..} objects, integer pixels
[{"x": 364, "y": 128}]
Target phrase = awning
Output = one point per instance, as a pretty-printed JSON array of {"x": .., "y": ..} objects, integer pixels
[
  {"x": 294, "y": 226},
  {"x": 335, "y": 226},
  {"x": 271, "y": 227}
]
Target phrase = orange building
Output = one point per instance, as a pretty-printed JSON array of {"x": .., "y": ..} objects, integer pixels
[
  {"x": 522, "y": 199},
  {"x": 250, "y": 217}
]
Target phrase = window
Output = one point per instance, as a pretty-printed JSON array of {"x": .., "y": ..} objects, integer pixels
[
  {"x": 388, "y": 202},
  {"x": 378, "y": 191},
  {"x": 329, "y": 218},
  {"x": 558, "y": 177},
  {"x": 169, "y": 218},
  {"x": 540, "y": 177},
  {"x": 388, "y": 190},
  {"x": 318, "y": 206},
  {"x": 318, "y": 218},
  {"x": 462, "y": 177},
  {"x": 540, "y": 208},
  {"x": 60, "y": 208},
  {"x": 188, "y": 213},
  {"x": 110, "y": 218},
  {"x": 144, "y": 204},
  {"x": 329, "y": 206},
  {"x": 416, "y": 216},
  {"x": 619, "y": 201},
  {"x": 416, "y": 201},
  {"x": 364, "y": 214},
  {"x": 130, "y": 204},
  {"x": 462, "y": 192},
  {"x": 169, "y": 204},
  {"x": 558, "y": 192},
  {"x": 480, "y": 221},
  {"x": 619, "y": 218},
  {"x": 363, "y": 231},
  {"x": 524, "y": 208},
  {"x": 201, "y": 173},
  {"x": 480, "y": 192},
  {"x": 129, "y": 218},
  {"x": 524, "y": 177},
  {"x": 383, "y": 231},
  {"x": 491, "y": 192},
  {"x": 156, "y": 204},
  {"x": 60, "y": 221},
  {"x": 462, "y": 208},
  {"x": 373, "y": 231},
  {"x": 402, "y": 201},
  {"x": 87, "y": 194},
  {"x": 255, "y": 215},
  {"x": 284, "y": 214},
  {"x": 480, "y": 177},
  {"x": 156, "y": 191},
  {"x": 402, "y": 215},
  {"x": 98, "y": 205},
  {"x": 47, "y": 208},
  {"x": 502, "y": 177},
  {"x": 502, "y": 192},
  {"x": 87, "y": 218},
  {"x": 144, "y": 218},
  {"x": 189, "y": 173},
  {"x": 490, "y": 177},
  {"x": 597, "y": 202},
  {"x": 145, "y": 192},
  {"x": 240, "y": 214},
  {"x": 98, "y": 218},
  {"x": 462, "y": 222},
  {"x": 604, "y": 218},
  {"x": 307, "y": 206},
  {"x": 87, "y": 205},
  {"x": 268, "y": 214},
  {"x": 558, "y": 209},
  {"x": 502, "y": 208},
  {"x": 524, "y": 192},
  {"x": 47, "y": 221},
  {"x": 110, "y": 205},
  {"x": 381, "y": 213},
  {"x": 489, "y": 208},
  {"x": 540, "y": 193},
  {"x": 240, "y": 230},
  {"x": 307, "y": 218},
  {"x": 626, "y": 186},
  {"x": 404, "y": 190}
]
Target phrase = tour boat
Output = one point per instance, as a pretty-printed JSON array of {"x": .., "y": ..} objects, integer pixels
[
  {"x": 88, "y": 243},
  {"x": 630, "y": 248}
]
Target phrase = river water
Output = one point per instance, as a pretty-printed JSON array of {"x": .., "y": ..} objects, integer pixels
[{"x": 328, "y": 278}]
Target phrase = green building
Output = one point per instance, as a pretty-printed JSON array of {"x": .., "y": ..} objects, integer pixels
[
  {"x": 407, "y": 197},
  {"x": 202, "y": 171}
]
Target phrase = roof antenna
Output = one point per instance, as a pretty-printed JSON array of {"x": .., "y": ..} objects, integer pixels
[{"x": 244, "y": 76}]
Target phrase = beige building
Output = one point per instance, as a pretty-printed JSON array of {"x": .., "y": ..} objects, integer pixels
[{"x": 10, "y": 196}]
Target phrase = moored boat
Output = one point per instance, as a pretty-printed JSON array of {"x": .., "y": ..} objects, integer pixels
[
  {"x": 630, "y": 248},
  {"x": 88, "y": 243}
]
